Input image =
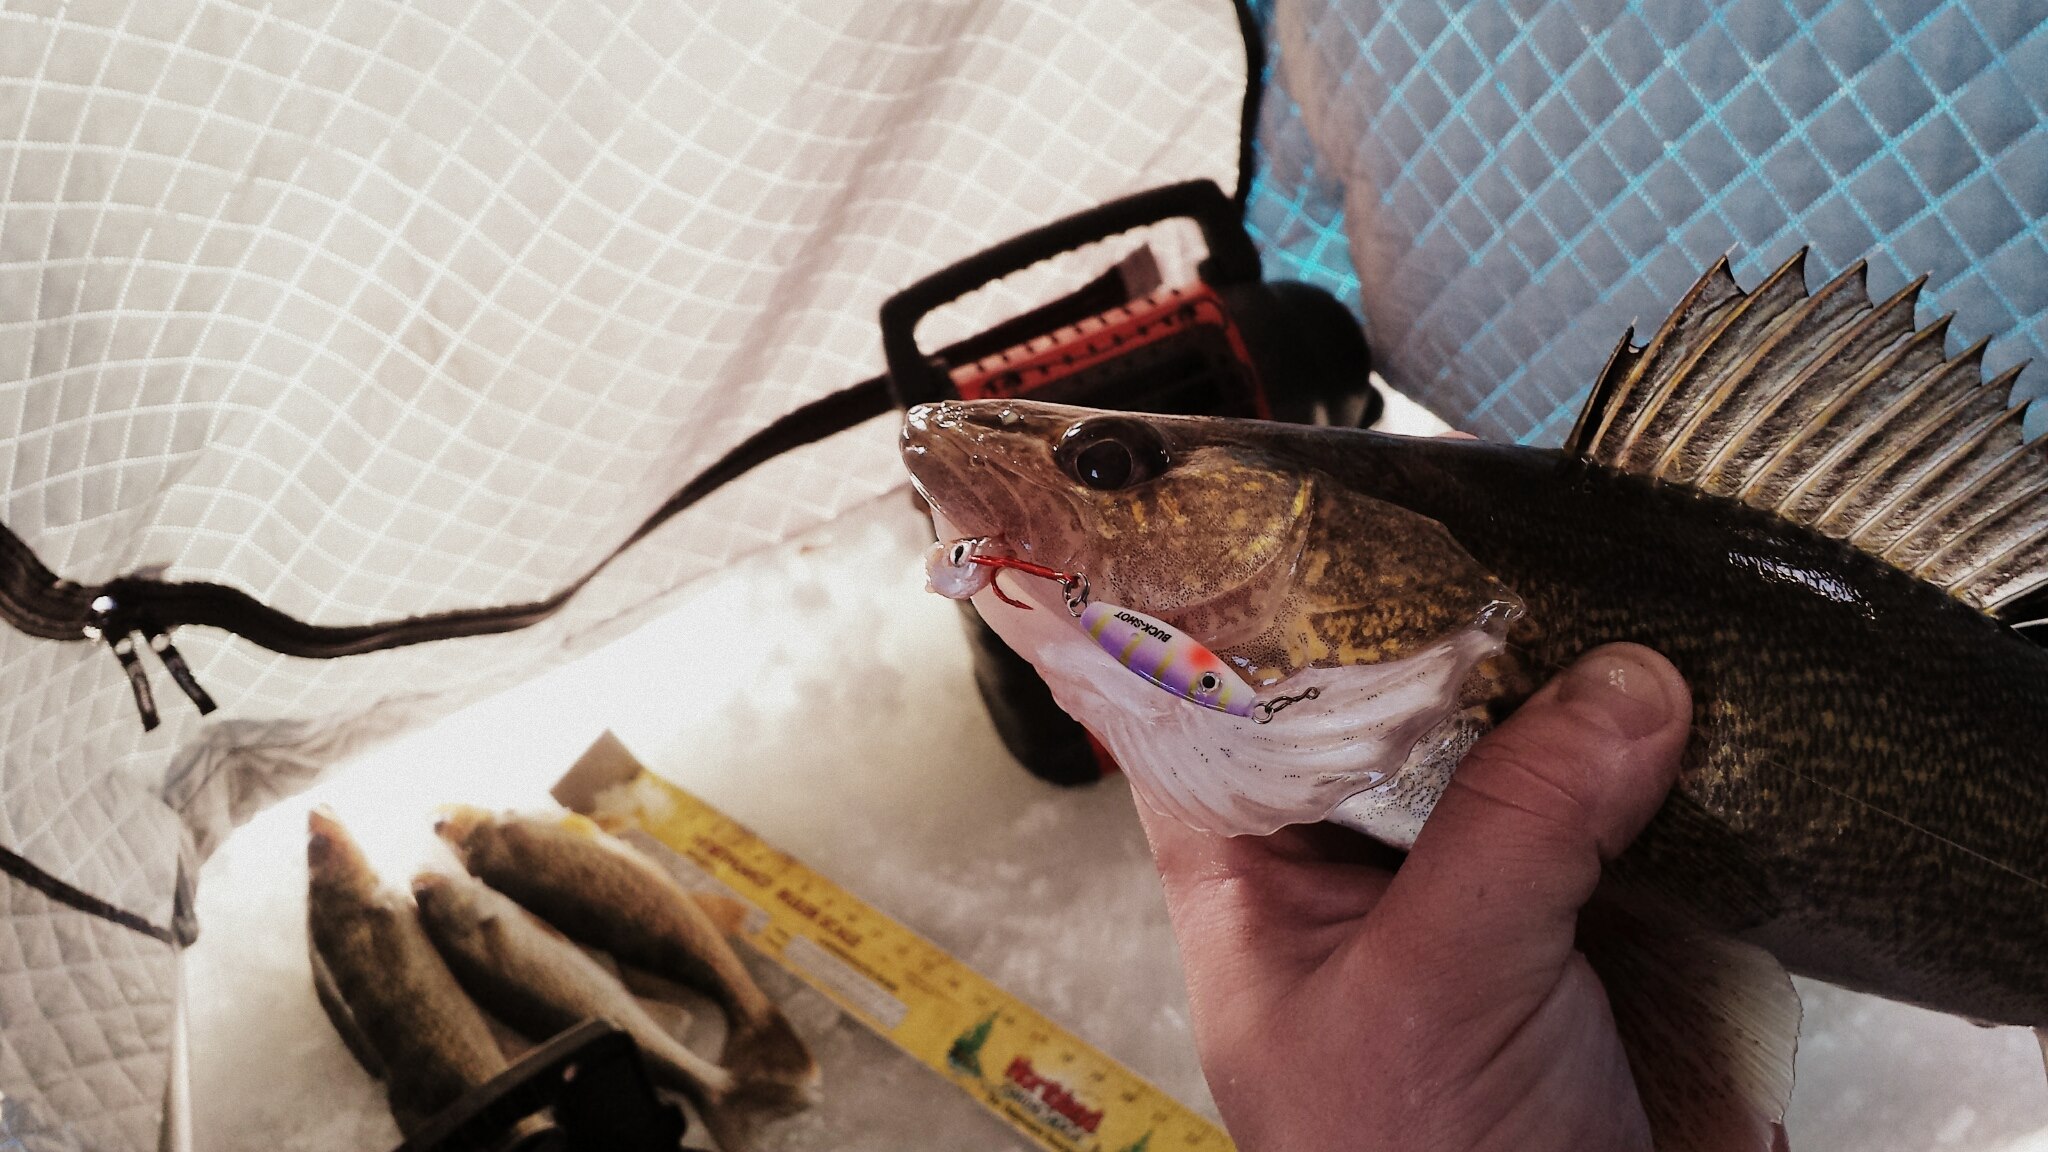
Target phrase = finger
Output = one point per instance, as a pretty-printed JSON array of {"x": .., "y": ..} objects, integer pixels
[
  {"x": 1247, "y": 907},
  {"x": 1514, "y": 848}
]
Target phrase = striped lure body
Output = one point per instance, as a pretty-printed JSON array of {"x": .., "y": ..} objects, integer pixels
[
  {"x": 1157, "y": 651},
  {"x": 1168, "y": 657}
]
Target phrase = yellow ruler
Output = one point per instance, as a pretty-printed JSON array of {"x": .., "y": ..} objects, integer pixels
[{"x": 1044, "y": 1081}]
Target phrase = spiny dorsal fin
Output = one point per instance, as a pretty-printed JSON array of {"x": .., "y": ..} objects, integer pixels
[
  {"x": 1691, "y": 323},
  {"x": 1839, "y": 415}
]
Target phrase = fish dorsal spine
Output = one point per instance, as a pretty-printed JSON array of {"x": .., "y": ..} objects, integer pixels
[{"x": 1839, "y": 415}]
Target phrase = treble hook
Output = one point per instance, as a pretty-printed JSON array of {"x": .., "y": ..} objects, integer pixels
[
  {"x": 1072, "y": 584},
  {"x": 995, "y": 585}
]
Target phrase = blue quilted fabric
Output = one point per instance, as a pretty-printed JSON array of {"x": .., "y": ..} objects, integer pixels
[{"x": 1520, "y": 180}]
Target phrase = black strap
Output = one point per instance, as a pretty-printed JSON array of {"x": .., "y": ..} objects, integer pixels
[
  {"x": 1253, "y": 30},
  {"x": 77, "y": 898},
  {"x": 34, "y": 600}
]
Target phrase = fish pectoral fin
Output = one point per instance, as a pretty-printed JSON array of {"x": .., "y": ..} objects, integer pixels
[
  {"x": 1710, "y": 1025},
  {"x": 340, "y": 1015}
]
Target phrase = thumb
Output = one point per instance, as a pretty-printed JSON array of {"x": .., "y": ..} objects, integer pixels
[{"x": 1514, "y": 847}]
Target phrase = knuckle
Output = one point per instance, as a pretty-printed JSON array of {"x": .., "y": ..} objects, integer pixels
[{"x": 1515, "y": 771}]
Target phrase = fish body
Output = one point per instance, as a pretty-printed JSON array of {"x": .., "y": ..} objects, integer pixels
[
  {"x": 598, "y": 891},
  {"x": 534, "y": 979},
  {"x": 386, "y": 986},
  {"x": 1866, "y": 790},
  {"x": 1831, "y": 528}
]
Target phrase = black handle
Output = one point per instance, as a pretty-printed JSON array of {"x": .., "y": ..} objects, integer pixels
[
  {"x": 1232, "y": 259},
  {"x": 593, "y": 1077}
]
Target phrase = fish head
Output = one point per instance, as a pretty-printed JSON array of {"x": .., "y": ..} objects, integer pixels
[
  {"x": 333, "y": 858},
  {"x": 465, "y": 828},
  {"x": 1228, "y": 531},
  {"x": 1184, "y": 526},
  {"x": 451, "y": 903},
  {"x": 437, "y": 890}
]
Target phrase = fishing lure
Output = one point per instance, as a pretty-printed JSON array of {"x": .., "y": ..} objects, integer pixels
[{"x": 1156, "y": 651}]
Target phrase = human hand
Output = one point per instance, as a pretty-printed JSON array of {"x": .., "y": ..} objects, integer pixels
[{"x": 1339, "y": 1005}]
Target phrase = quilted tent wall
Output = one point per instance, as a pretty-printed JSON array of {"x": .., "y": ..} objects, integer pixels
[
  {"x": 1505, "y": 185},
  {"x": 374, "y": 308}
]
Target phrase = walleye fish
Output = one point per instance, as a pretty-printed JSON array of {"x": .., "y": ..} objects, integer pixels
[
  {"x": 1835, "y": 531},
  {"x": 531, "y": 977},
  {"x": 599, "y": 891},
  {"x": 385, "y": 987}
]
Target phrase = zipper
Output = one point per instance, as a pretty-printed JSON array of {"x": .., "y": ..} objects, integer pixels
[{"x": 131, "y": 614}]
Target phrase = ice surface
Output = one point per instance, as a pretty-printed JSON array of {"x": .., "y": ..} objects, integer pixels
[{"x": 820, "y": 695}]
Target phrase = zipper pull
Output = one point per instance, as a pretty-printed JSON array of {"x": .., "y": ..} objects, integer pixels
[
  {"x": 160, "y": 643},
  {"x": 123, "y": 644}
]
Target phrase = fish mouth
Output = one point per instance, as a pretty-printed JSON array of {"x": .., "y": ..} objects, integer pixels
[
  {"x": 326, "y": 839},
  {"x": 974, "y": 464},
  {"x": 456, "y": 823},
  {"x": 431, "y": 884},
  {"x": 955, "y": 457},
  {"x": 962, "y": 567},
  {"x": 932, "y": 447}
]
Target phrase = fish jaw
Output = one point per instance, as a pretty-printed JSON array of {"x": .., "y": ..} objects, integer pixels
[
  {"x": 333, "y": 859},
  {"x": 461, "y": 825},
  {"x": 1202, "y": 530},
  {"x": 985, "y": 468},
  {"x": 1232, "y": 774},
  {"x": 448, "y": 900}
]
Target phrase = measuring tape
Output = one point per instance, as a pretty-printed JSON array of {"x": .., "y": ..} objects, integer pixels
[{"x": 1039, "y": 1078}]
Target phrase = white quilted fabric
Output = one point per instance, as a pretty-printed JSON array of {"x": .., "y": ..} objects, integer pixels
[
  {"x": 376, "y": 308},
  {"x": 85, "y": 1017}
]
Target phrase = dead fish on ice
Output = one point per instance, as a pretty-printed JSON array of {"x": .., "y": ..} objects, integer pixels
[
  {"x": 385, "y": 987},
  {"x": 1833, "y": 529},
  {"x": 599, "y": 891},
  {"x": 534, "y": 979}
]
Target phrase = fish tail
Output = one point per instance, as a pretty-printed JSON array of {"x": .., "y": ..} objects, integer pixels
[
  {"x": 730, "y": 1121},
  {"x": 773, "y": 1067}
]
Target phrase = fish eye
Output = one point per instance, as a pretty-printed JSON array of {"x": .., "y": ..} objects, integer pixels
[
  {"x": 1109, "y": 454},
  {"x": 959, "y": 554}
]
